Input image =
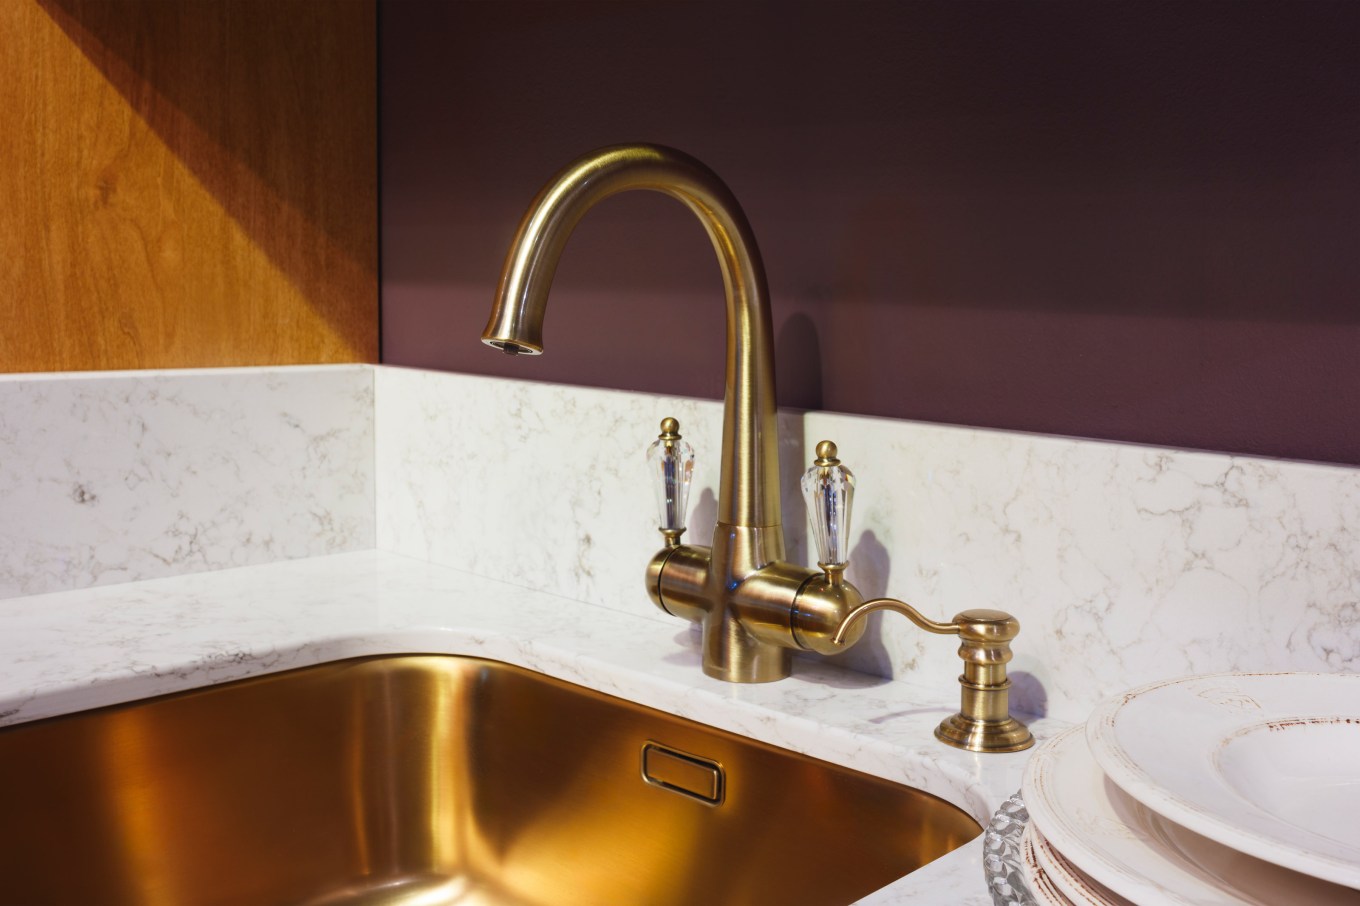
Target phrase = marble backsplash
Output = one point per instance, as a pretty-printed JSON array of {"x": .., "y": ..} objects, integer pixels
[
  {"x": 119, "y": 476},
  {"x": 1125, "y": 564}
]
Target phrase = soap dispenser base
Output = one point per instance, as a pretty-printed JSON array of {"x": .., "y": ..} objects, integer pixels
[{"x": 1007, "y": 735}]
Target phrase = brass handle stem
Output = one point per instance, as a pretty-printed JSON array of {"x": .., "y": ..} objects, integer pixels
[{"x": 902, "y": 607}]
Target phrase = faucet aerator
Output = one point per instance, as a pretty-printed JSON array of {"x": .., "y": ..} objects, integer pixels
[{"x": 510, "y": 347}]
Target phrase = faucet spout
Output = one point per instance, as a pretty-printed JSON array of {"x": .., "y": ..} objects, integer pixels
[
  {"x": 755, "y": 608},
  {"x": 748, "y": 494}
]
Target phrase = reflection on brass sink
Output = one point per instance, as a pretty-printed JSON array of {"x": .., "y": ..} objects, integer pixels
[{"x": 436, "y": 780}]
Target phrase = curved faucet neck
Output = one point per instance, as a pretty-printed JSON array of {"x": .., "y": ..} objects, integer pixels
[{"x": 748, "y": 495}]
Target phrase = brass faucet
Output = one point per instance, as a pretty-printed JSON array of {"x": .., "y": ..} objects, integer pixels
[{"x": 755, "y": 608}]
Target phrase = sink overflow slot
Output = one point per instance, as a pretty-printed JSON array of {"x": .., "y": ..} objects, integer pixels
[{"x": 680, "y": 772}]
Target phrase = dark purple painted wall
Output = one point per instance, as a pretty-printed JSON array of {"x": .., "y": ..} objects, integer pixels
[{"x": 1133, "y": 221}]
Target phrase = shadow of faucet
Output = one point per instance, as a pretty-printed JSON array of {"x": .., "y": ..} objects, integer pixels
[
  {"x": 702, "y": 518},
  {"x": 1028, "y": 694},
  {"x": 870, "y": 566},
  {"x": 798, "y": 363},
  {"x": 798, "y": 374},
  {"x": 793, "y": 462}
]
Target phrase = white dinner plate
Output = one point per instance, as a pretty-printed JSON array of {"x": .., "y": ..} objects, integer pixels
[
  {"x": 1041, "y": 886},
  {"x": 1265, "y": 763},
  {"x": 1119, "y": 843},
  {"x": 1079, "y": 889}
]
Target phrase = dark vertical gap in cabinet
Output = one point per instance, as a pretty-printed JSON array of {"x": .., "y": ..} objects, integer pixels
[{"x": 378, "y": 157}]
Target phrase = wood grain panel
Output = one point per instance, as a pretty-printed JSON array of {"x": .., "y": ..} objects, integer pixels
[{"x": 187, "y": 184}]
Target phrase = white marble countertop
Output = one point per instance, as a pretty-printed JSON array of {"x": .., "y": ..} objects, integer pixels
[{"x": 73, "y": 650}]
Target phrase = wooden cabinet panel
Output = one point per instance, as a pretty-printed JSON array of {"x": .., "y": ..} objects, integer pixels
[{"x": 187, "y": 183}]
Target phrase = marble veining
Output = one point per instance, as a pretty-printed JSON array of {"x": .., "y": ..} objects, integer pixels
[
  {"x": 117, "y": 477},
  {"x": 1147, "y": 562},
  {"x": 1150, "y": 562}
]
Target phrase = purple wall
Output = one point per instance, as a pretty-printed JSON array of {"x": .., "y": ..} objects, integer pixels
[{"x": 1129, "y": 221}]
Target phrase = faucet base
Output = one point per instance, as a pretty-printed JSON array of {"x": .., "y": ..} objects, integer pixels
[
  {"x": 732, "y": 655},
  {"x": 754, "y": 670}
]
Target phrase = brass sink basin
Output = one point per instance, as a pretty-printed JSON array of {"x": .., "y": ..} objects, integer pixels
[{"x": 437, "y": 780}]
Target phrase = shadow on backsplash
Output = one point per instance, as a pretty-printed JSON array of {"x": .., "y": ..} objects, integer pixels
[
  {"x": 703, "y": 518},
  {"x": 794, "y": 460},
  {"x": 798, "y": 363},
  {"x": 1028, "y": 695},
  {"x": 870, "y": 566}
]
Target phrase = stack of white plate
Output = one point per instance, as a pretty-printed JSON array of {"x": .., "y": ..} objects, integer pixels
[{"x": 1234, "y": 788}]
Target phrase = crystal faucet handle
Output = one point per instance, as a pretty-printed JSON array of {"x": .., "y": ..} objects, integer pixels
[
  {"x": 829, "y": 491},
  {"x": 671, "y": 461}
]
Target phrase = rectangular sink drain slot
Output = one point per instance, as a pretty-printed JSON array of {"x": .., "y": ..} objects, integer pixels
[{"x": 698, "y": 778}]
